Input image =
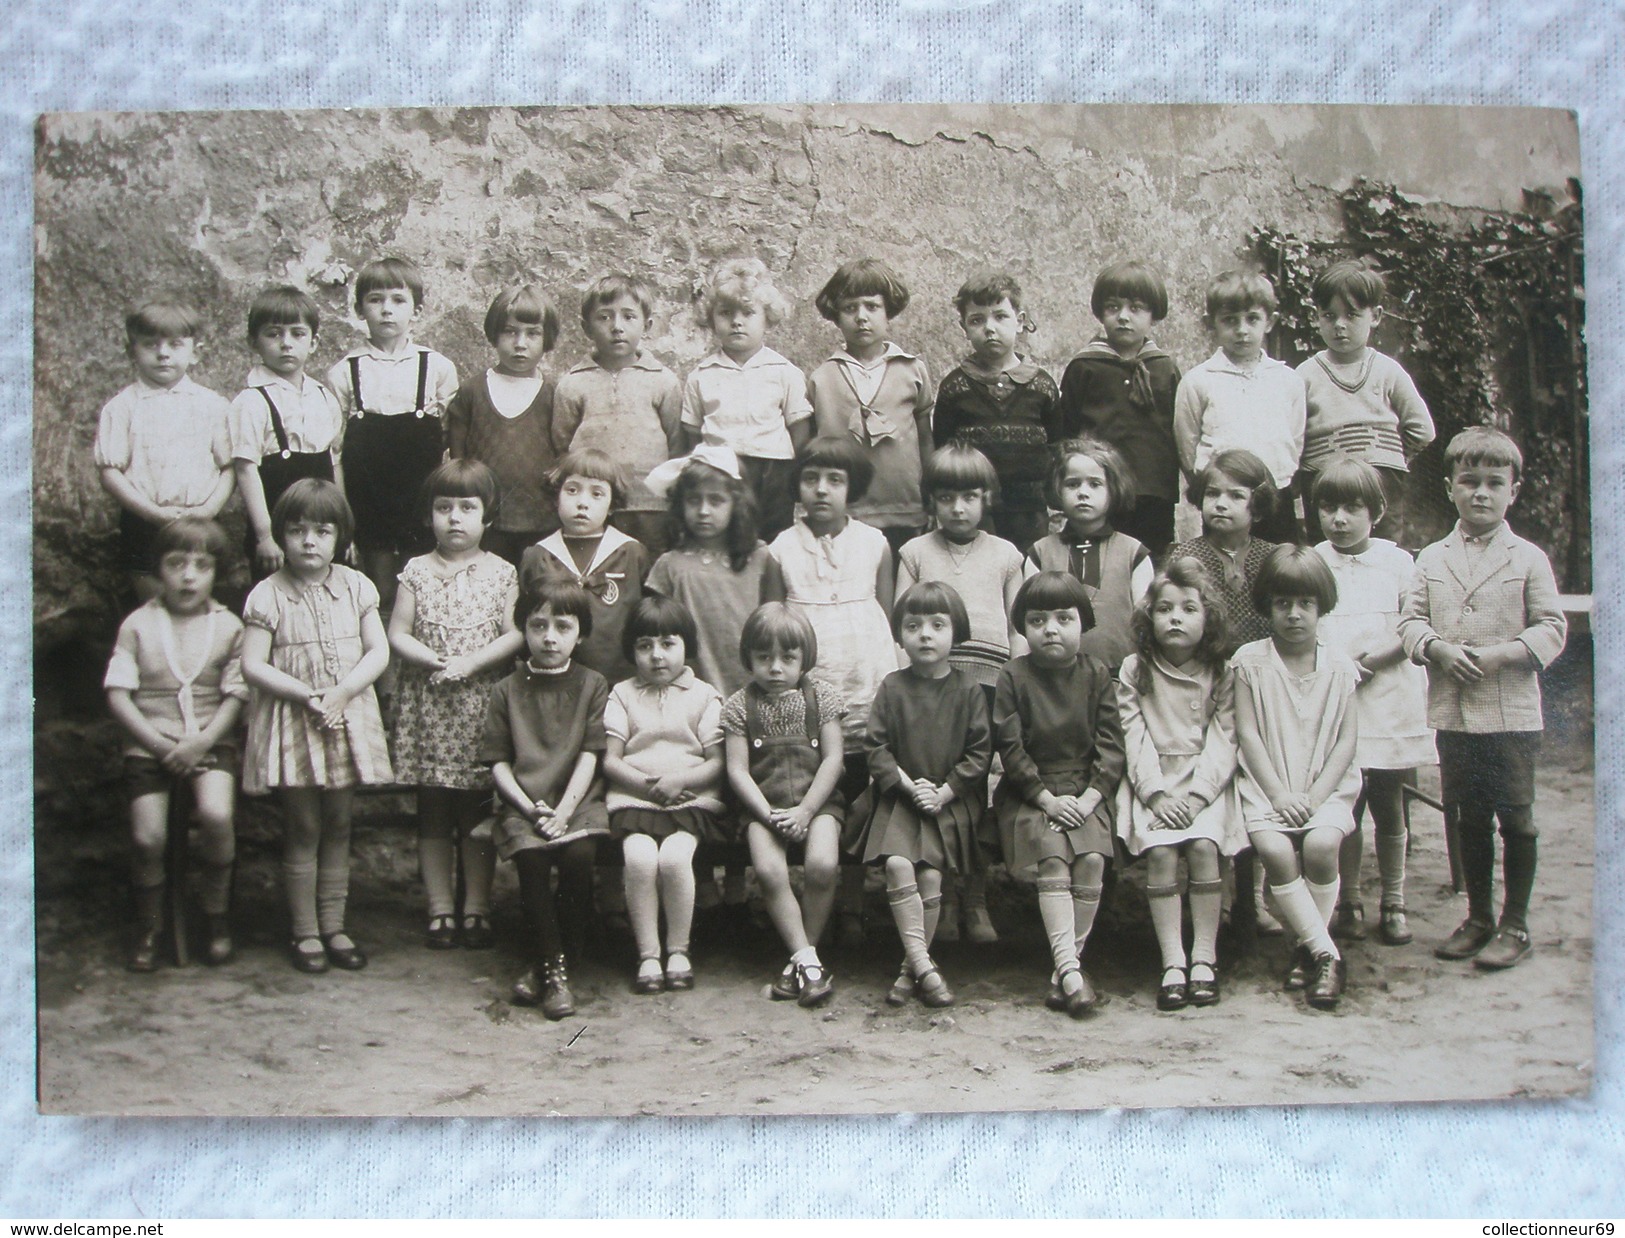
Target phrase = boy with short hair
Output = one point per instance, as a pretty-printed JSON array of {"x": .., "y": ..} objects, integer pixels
[
  {"x": 162, "y": 443},
  {"x": 1240, "y": 397},
  {"x": 285, "y": 425},
  {"x": 394, "y": 392},
  {"x": 1482, "y": 614},
  {"x": 623, "y": 401},
  {"x": 1361, "y": 402}
]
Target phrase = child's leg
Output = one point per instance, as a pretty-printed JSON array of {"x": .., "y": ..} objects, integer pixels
[
  {"x": 1297, "y": 905},
  {"x": 333, "y": 864},
  {"x": 1476, "y": 826},
  {"x": 149, "y": 830},
  {"x": 642, "y": 856},
  {"x": 301, "y": 837},
  {"x": 535, "y": 871},
  {"x": 215, "y": 791},
  {"x": 1518, "y": 846},
  {"x": 1055, "y": 909},
  {"x": 767, "y": 857},
  {"x": 820, "y": 873},
  {"x": 903, "y": 894},
  {"x": 1206, "y": 895},
  {"x": 435, "y": 862},
  {"x": 574, "y": 864},
  {"x": 676, "y": 869},
  {"x": 479, "y": 855},
  {"x": 948, "y": 908},
  {"x": 1383, "y": 797},
  {"x": 1088, "y": 873},
  {"x": 1162, "y": 892},
  {"x": 1351, "y": 859},
  {"x": 930, "y": 882},
  {"x": 1321, "y": 849}
]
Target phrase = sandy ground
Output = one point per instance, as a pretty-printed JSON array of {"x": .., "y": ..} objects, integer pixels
[{"x": 433, "y": 1033}]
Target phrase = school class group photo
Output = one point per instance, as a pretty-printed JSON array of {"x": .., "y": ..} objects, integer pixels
[{"x": 788, "y": 622}]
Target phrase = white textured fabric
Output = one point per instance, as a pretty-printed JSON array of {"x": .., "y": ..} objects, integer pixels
[{"x": 1514, "y": 1161}]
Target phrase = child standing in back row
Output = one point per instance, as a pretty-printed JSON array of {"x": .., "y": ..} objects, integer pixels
[
  {"x": 623, "y": 401},
  {"x": 1482, "y": 614},
  {"x": 877, "y": 393},
  {"x": 745, "y": 395},
  {"x": 394, "y": 392},
  {"x": 1240, "y": 397},
  {"x": 1120, "y": 389},
  {"x": 1361, "y": 403}
]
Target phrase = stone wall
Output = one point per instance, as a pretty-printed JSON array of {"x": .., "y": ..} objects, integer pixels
[{"x": 212, "y": 206}]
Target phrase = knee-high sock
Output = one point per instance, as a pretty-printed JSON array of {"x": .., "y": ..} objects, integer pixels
[
  {"x": 535, "y": 868},
  {"x": 909, "y": 914},
  {"x": 1167, "y": 921},
  {"x": 1303, "y": 917},
  {"x": 1325, "y": 897},
  {"x": 299, "y": 884},
  {"x": 1391, "y": 863},
  {"x": 479, "y": 868},
  {"x": 1351, "y": 860},
  {"x": 214, "y": 888},
  {"x": 931, "y": 912},
  {"x": 1206, "y": 899},
  {"x": 332, "y": 896},
  {"x": 1517, "y": 874},
  {"x": 677, "y": 895},
  {"x": 1055, "y": 909},
  {"x": 1085, "y": 903},
  {"x": 1476, "y": 832},
  {"x": 435, "y": 866}
]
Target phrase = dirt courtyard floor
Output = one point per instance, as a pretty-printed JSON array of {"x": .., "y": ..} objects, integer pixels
[{"x": 428, "y": 1033}]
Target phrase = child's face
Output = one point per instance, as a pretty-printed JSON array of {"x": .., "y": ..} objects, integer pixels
[
  {"x": 186, "y": 581},
  {"x": 926, "y": 639},
  {"x": 389, "y": 314},
  {"x": 616, "y": 329},
  {"x": 992, "y": 330},
  {"x": 708, "y": 509},
  {"x": 520, "y": 348},
  {"x": 1178, "y": 621},
  {"x": 309, "y": 546},
  {"x": 458, "y": 522},
  {"x": 1226, "y": 506},
  {"x": 740, "y": 328},
  {"x": 959, "y": 512},
  {"x": 1241, "y": 332},
  {"x": 1054, "y": 636},
  {"x": 864, "y": 323},
  {"x": 1345, "y": 329},
  {"x": 1482, "y": 493},
  {"x": 584, "y": 505},
  {"x": 1086, "y": 497},
  {"x": 162, "y": 361},
  {"x": 823, "y": 494},
  {"x": 1347, "y": 525},
  {"x": 659, "y": 659},
  {"x": 776, "y": 670},
  {"x": 1127, "y": 323},
  {"x": 551, "y": 639},
  {"x": 284, "y": 347},
  {"x": 1293, "y": 621}
]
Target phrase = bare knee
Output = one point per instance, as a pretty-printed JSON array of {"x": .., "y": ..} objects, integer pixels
[
  {"x": 899, "y": 872},
  {"x": 1203, "y": 858},
  {"x": 1162, "y": 866},
  {"x": 1090, "y": 870}
]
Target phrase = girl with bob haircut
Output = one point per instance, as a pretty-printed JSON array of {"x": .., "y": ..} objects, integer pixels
[
  {"x": 928, "y": 747},
  {"x": 1056, "y": 730},
  {"x": 1176, "y": 699},
  {"x": 782, "y": 737}
]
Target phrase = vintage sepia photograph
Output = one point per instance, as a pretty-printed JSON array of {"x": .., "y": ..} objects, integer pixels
[{"x": 606, "y": 611}]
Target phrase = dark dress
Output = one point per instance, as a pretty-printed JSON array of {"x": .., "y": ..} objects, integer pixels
[
  {"x": 614, "y": 581},
  {"x": 519, "y": 450},
  {"x": 1234, "y": 581}
]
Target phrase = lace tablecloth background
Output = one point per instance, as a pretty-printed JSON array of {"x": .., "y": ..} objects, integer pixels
[{"x": 1515, "y": 1160}]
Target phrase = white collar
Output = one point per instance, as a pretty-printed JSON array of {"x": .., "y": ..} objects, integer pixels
[{"x": 611, "y": 541}]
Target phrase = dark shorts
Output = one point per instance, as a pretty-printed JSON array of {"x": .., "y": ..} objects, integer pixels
[
  {"x": 136, "y": 542},
  {"x": 773, "y": 484},
  {"x": 1151, "y": 523},
  {"x": 385, "y": 462},
  {"x": 145, "y": 775},
  {"x": 1496, "y": 770},
  {"x": 1395, "y": 484},
  {"x": 651, "y": 528},
  {"x": 1282, "y": 524}
]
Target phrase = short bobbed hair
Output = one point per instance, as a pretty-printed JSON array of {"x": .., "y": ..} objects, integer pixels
[
  {"x": 955, "y": 467},
  {"x": 1294, "y": 572},
  {"x": 836, "y": 451},
  {"x": 382, "y": 274},
  {"x": 282, "y": 306},
  {"x": 526, "y": 304},
  {"x": 1361, "y": 286},
  {"x": 1121, "y": 485},
  {"x": 655, "y": 615},
  {"x": 1130, "y": 281},
  {"x": 1240, "y": 466},
  {"x": 191, "y": 534},
  {"x": 321, "y": 502},
  {"x": 612, "y": 287},
  {"x": 162, "y": 320},
  {"x": 460, "y": 479},
  {"x": 1232, "y": 291},
  {"x": 1484, "y": 447},
  {"x": 594, "y": 465},
  {"x": 562, "y": 597},
  {"x": 1052, "y": 591},
  {"x": 1347, "y": 480},
  {"x": 987, "y": 287},
  {"x": 746, "y": 281},
  {"x": 776, "y": 626},
  {"x": 1182, "y": 573},
  {"x": 931, "y": 597},
  {"x": 864, "y": 277}
]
